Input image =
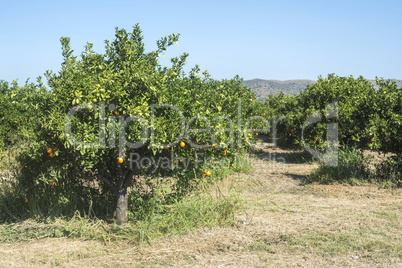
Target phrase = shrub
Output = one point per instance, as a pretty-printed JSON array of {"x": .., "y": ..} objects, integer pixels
[
  {"x": 352, "y": 166},
  {"x": 389, "y": 172}
]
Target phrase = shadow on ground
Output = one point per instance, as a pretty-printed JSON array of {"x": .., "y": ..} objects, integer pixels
[{"x": 267, "y": 150}]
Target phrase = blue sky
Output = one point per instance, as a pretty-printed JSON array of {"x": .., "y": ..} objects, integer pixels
[{"x": 254, "y": 39}]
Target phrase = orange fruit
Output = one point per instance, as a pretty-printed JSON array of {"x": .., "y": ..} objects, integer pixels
[
  {"x": 232, "y": 165},
  {"x": 213, "y": 145},
  {"x": 224, "y": 153},
  {"x": 51, "y": 182},
  {"x": 256, "y": 134},
  {"x": 26, "y": 200},
  {"x": 208, "y": 173},
  {"x": 52, "y": 155},
  {"x": 120, "y": 160},
  {"x": 182, "y": 144},
  {"x": 49, "y": 150},
  {"x": 290, "y": 134},
  {"x": 116, "y": 113}
]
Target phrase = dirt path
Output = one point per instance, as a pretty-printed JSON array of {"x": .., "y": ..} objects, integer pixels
[{"x": 283, "y": 223}]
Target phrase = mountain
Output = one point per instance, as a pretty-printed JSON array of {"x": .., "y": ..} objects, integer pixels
[{"x": 263, "y": 88}]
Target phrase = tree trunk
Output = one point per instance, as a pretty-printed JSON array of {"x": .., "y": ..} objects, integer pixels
[{"x": 122, "y": 207}]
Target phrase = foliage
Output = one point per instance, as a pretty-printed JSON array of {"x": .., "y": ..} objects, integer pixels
[
  {"x": 389, "y": 172},
  {"x": 384, "y": 126},
  {"x": 352, "y": 167},
  {"x": 366, "y": 118},
  {"x": 20, "y": 111}
]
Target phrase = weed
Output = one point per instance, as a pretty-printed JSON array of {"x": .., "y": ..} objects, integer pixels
[{"x": 352, "y": 166}]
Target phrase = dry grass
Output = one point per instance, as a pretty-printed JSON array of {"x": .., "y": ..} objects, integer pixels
[{"x": 283, "y": 223}]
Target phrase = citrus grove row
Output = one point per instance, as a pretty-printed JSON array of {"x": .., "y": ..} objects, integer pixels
[
  {"x": 367, "y": 118},
  {"x": 56, "y": 174}
]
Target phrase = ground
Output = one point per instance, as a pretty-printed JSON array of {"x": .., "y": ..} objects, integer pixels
[{"x": 282, "y": 223}]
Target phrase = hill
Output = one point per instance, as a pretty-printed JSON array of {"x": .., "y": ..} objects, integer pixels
[{"x": 263, "y": 88}]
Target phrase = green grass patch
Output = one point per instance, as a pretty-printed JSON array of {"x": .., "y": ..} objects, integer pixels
[
  {"x": 352, "y": 167},
  {"x": 331, "y": 244},
  {"x": 389, "y": 172},
  {"x": 189, "y": 214}
]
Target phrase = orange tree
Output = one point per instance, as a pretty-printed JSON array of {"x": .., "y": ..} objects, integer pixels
[
  {"x": 384, "y": 130},
  {"x": 20, "y": 108},
  {"x": 366, "y": 118},
  {"x": 120, "y": 118},
  {"x": 4, "y": 110},
  {"x": 354, "y": 98}
]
